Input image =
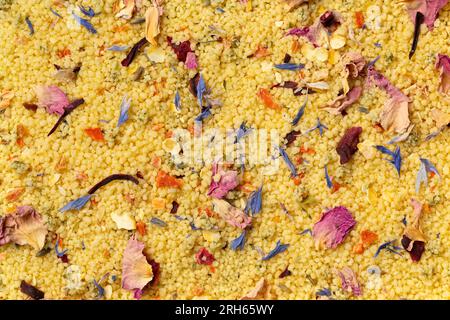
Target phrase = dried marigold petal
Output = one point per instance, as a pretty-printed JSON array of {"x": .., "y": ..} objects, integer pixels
[
  {"x": 359, "y": 19},
  {"x": 95, "y": 133},
  {"x": 267, "y": 99}
]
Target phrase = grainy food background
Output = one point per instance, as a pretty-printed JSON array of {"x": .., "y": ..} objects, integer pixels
[{"x": 370, "y": 188}]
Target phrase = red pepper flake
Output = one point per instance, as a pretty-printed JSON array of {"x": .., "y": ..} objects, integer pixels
[
  {"x": 164, "y": 180},
  {"x": 260, "y": 52},
  {"x": 336, "y": 187},
  {"x": 61, "y": 53},
  {"x": 359, "y": 19},
  {"x": 267, "y": 99},
  {"x": 367, "y": 238},
  {"x": 204, "y": 257},
  {"x": 95, "y": 133}
]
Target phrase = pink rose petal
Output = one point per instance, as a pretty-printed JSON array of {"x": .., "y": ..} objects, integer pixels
[
  {"x": 429, "y": 8},
  {"x": 443, "y": 64},
  {"x": 52, "y": 98},
  {"x": 333, "y": 227},
  {"x": 136, "y": 271},
  {"x": 222, "y": 182},
  {"x": 191, "y": 61}
]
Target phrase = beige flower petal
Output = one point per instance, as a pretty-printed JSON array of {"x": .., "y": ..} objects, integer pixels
[
  {"x": 126, "y": 8},
  {"x": 441, "y": 118},
  {"x": 152, "y": 25},
  {"x": 395, "y": 115},
  {"x": 124, "y": 221},
  {"x": 256, "y": 291}
]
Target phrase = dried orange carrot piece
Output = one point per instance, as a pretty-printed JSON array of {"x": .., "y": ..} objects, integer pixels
[
  {"x": 359, "y": 19},
  {"x": 358, "y": 248},
  {"x": 267, "y": 99},
  {"x": 164, "y": 180},
  {"x": 209, "y": 212},
  {"x": 303, "y": 149},
  {"x": 22, "y": 132},
  {"x": 14, "y": 195},
  {"x": 95, "y": 133},
  {"x": 141, "y": 227}
]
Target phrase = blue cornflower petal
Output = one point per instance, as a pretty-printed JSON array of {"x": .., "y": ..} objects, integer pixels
[
  {"x": 158, "y": 222},
  {"x": 254, "y": 202},
  {"x": 55, "y": 13},
  {"x": 289, "y": 66},
  {"x": 239, "y": 242},
  {"x": 422, "y": 175},
  {"x": 201, "y": 89},
  {"x": 177, "y": 101},
  {"x": 84, "y": 23},
  {"x": 87, "y": 11},
  {"x": 242, "y": 132},
  {"x": 279, "y": 248},
  {"x": 300, "y": 112},
  {"x": 206, "y": 112},
  {"x": 124, "y": 107},
  {"x": 77, "y": 204},
  {"x": 30, "y": 25},
  {"x": 288, "y": 162},
  {"x": 327, "y": 178},
  {"x": 118, "y": 48}
]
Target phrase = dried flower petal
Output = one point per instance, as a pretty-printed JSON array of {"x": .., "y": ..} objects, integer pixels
[
  {"x": 441, "y": 118},
  {"x": 31, "y": 291},
  {"x": 191, "y": 61},
  {"x": 136, "y": 271},
  {"x": 52, "y": 98},
  {"x": 231, "y": 214},
  {"x": 413, "y": 239},
  {"x": 127, "y": 8},
  {"x": 222, "y": 182},
  {"x": 255, "y": 292},
  {"x": 443, "y": 65},
  {"x": 333, "y": 227},
  {"x": 204, "y": 257},
  {"x": 429, "y": 8},
  {"x": 24, "y": 226},
  {"x": 181, "y": 50},
  {"x": 349, "y": 281},
  {"x": 279, "y": 248},
  {"x": 124, "y": 221},
  {"x": 344, "y": 101},
  {"x": 348, "y": 145},
  {"x": 239, "y": 242},
  {"x": 152, "y": 25}
]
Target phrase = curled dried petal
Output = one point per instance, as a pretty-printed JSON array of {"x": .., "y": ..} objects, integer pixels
[
  {"x": 52, "y": 98},
  {"x": 136, "y": 271},
  {"x": 230, "y": 214},
  {"x": 443, "y": 65}
]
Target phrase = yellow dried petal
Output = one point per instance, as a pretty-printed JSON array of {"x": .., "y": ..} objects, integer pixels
[
  {"x": 321, "y": 54},
  {"x": 152, "y": 25},
  {"x": 126, "y": 8}
]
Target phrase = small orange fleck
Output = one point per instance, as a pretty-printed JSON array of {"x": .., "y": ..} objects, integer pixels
[
  {"x": 209, "y": 212},
  {"x": 267, "y": 99},
  {"x": 141, "y": 227},
  {"x": 164, "y": 180},
  {"x": 22, "y": 132},
  {"x": 61, "y": 53},
  {"x": 169, "y": 134},
  {"x": 212, "y": 269},
  {"x": 158, "y": 126},
  {"x": 299, "y": 159},
  {"x": 156, "y": 162},
  {"x": 122, "y": 28},
  {"x": 336, "y": 187},
  {"x": 303, "y": 149},
  {"x": 378, "y": 128},
  {"x": 62, "y": 164},
  {"x": 81, "y": 176},
  {"x": 260, "y": 52},
  {"x": 14, "y": 195},
  {"x": 130, "y": 198},
  {"x": 426, "y": 208},
  {"x": 359, "y": 19},
  {"x": 358, "y": 248},
  {"x": 198, "y": 291},
  {"x": 298, "y": 179},
  {"x": 295, "y": 46},
  {"x": 95, "y": 133}
]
